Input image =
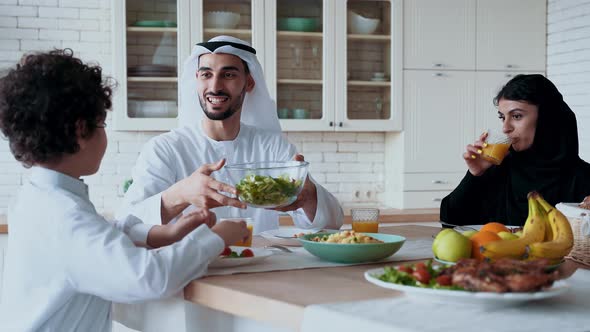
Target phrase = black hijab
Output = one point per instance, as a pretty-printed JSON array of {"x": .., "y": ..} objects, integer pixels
[{"x": 548, "y": 164}]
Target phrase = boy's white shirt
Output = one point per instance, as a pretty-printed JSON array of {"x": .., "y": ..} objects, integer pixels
[{"x": 65, "y": 263}]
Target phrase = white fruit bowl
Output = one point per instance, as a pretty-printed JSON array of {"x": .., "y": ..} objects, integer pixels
[
  {"x": 221, "y": 20},
  {"x": 361, "y": 25}
]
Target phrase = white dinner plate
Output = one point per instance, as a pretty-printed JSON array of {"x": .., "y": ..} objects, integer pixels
[
  {"x": 287, "y": 235},
  {"x": 260, "y": 254},
  {"x": 466, "y": 297}
]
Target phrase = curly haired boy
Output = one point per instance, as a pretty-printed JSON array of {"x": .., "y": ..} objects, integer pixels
[{"x": 65, "y": 262}]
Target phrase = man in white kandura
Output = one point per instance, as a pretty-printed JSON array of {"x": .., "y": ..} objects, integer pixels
[{"x": 183, "y": 169}]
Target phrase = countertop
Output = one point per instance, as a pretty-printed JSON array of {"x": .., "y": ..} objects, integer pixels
[{"x": 386, "y": 216}]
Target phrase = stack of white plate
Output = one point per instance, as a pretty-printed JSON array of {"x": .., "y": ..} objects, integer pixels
[
  {"x": 152, "y": 70},
  {"x": 152, "y": 109}
]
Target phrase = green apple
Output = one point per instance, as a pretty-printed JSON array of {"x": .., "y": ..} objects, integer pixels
[
  {"x": 519, "y": 233},
  {"x": 438, "y": 236},
  {"x": 451, "y": 246},
  {"x": 507, "y": 236},
  {"x": 469, "y": 234}
]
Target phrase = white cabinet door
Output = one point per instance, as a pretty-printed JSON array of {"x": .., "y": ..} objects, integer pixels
[
  {"x": 439, "y": 34},
  {"x": 438, "y": 119},
  {"x": 511, "y": 35},
  {"x": 149, "y": 46}
]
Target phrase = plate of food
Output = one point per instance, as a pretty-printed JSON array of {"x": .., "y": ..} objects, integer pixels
[
  {"x": 238, "y": 256},
  {"x": 470, "y": 281},
  {"x": 287, "y": 236},
  {"x": 352, "y": 247}
]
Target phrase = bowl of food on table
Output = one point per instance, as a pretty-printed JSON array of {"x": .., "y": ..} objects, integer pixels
[
  {"x": 351, "y": 247},
  {"x": 268, "y": 184}
]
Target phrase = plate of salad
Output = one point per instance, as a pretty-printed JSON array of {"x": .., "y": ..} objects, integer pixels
[
  {"x": 238, "y": 256},
  {"x": 426, "y": 281}
]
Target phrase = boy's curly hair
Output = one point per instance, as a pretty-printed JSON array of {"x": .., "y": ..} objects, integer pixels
[{"x": 45, "y": 99}]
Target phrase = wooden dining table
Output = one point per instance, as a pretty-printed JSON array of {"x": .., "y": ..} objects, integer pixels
[{"x": 273, "y": 301}]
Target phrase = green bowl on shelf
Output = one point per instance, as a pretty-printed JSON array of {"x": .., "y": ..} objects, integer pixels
[
  {"x": 303, "y": 24},
  {"x": 155, "y": 24}
]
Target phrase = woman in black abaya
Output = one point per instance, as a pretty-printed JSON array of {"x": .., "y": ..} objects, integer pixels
[{"x": 543, "y": 157}]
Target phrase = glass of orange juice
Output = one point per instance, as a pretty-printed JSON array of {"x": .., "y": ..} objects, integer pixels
[
  {"x": 250, "y": 225},
  {"x": 365, "y": 220},
  {"x": 496, "y": 147}
]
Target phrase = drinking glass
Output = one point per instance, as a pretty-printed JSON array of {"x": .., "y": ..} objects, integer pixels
[{"x": 365, "y": 220}]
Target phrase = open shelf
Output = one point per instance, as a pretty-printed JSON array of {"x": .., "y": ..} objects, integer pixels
[
  {"x": 298, "y": 34},
  {"x": 384, "y": 38},
  {"x": 369, "y": 83},
  {"x": 233, "y": 32}
]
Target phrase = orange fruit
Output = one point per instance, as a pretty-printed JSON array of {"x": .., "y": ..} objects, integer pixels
[
  {"x": 482, "y": 237},
  {"x": 495, "y": 227}
]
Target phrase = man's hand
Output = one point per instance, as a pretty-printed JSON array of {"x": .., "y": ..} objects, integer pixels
[
  {"x": 164, "y": 235},
  {"x": 200, "y": 190},
  {"x": 307, "y": 199}
]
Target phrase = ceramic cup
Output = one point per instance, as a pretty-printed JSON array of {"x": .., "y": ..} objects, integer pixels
[
  {"x": 379, "y": 75},
  {"x": 283, "y": 113},
  {"x": 300, "y": 113}
]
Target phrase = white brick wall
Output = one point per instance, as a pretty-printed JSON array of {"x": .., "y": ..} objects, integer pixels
[
  {"x": 568, "y": 60},
  {"x": 345, "y": 163}
]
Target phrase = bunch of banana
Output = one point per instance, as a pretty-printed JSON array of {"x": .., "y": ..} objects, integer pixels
[
  {"x": 561, "y": 238},
  {"x": 534, "y": 231}
]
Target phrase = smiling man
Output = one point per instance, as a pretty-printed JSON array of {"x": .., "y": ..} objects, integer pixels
[{"x": 235, "y": 123}]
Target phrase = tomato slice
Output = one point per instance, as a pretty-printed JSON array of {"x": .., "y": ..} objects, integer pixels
[
  {"x": 422, "y": 275},
  {"x": 405, "y": 268},
  {"x": 247, "y": 253},
  {"x": 444, "y": 280},
  {"x": 226, "y": 251}
]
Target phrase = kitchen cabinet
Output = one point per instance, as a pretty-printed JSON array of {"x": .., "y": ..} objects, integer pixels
[
  {"x": 475, "y": 35},
  {"x": 511, "y": 35},
  {"x": 457, "y": 55},
  {"x": 296, "y": 43},
  {"x": 150, "y": 41},
  {"x": 439, "y": 34},
  {"x": 438, "y": 121},
  {"x": 344, "y": 75}
]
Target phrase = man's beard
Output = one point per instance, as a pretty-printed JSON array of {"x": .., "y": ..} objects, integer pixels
[{"x": 232, "y": 109}]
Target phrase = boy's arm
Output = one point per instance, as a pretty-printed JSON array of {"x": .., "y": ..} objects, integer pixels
[
  {"x": 103, "y": 261},
  {"x": 157, "y": 236}
]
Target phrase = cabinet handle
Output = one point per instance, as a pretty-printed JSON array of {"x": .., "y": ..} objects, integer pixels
[
  {"x": 331, "y": 124},
  {"x": 509, "y": 75},
  {"x": 439, "y": 182},
  {"x": 509, "y": 66},
  {"x": 439, "y": 65},
  {"x": 339, "y": 124},
  {"x": 438, "y": 74},
  {"x": 437, "y": 199}
]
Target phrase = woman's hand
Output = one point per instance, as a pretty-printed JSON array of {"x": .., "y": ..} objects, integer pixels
[{"x": 476, "y": 164}]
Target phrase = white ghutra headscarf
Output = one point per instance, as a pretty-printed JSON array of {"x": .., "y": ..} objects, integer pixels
[{"x": 258, "y": 109}]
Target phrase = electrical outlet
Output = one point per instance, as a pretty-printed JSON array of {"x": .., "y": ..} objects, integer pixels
[{"x": 363, "y": 194}]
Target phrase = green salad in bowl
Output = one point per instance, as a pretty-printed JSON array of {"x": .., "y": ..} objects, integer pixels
[{"x": 268, "y": 184}]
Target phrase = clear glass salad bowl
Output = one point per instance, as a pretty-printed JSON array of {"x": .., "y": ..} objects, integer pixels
[{"x": 268, "y": 184}]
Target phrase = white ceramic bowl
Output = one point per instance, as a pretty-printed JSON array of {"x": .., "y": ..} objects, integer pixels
[
  {"x": 221, "y": 20},
  {"x": 361, "y": 25}
]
